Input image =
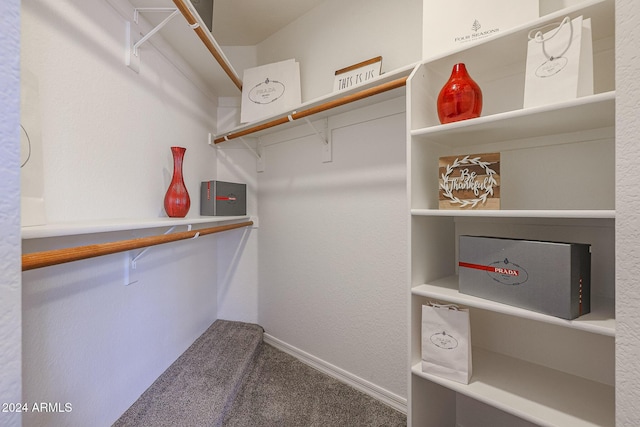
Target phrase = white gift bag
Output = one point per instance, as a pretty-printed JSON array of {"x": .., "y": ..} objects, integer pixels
[
  {"x": 446, "y": 342},
  {"x": 559, "y": 63}
]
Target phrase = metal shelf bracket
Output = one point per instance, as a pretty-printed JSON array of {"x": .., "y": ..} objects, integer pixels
[
  {"x": 131, "y": 266},
  {"x": 324, "y": 136},
  {"x": 250, "y": 148},
  {"x": 257, "y": 152},
  {"x": 132, "y": 46}
]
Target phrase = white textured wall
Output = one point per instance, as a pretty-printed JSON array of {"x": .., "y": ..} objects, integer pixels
[
  {"x": 107, "y": 130},
  {"x": 10, "y": 315},
  {"x": 89, "y": 340},
  {"x": 340, "y": 33},
  {"x": 237, "y": 262},
  {"x": 237, "y": 258},
  {"x": 627, "y": 214},
  {"x": 333, "y": 236},
  {"x": 97, "y": 344},
  {"x": 333, "y": 246}
]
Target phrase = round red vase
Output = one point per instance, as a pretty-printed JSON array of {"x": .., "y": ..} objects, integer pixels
[
  {"x": 176, "y": 200},
  {"x": 460, "y": 98}
]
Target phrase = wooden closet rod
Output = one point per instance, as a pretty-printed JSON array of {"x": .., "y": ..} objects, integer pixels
[
  {"x": 60, "y": 256},
  {"x": 206, "y": 39},
  {"x": 393, "y": 84}
]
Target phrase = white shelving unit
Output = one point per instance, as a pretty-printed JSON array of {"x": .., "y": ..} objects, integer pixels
[{"x": 557, "y": 183}]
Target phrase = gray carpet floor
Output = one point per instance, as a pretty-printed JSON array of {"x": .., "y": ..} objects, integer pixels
[
  {"x": 282, "y": 391},
  {"x": 229, "y": 377},
  {"x": 200, "y": 386}
]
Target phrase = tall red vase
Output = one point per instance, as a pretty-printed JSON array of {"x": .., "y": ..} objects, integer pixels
[
  {"x": 176, "y": 200},
  {"x": 460, "y": 98}
]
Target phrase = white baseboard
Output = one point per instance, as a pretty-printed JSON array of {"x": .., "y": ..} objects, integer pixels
[{"x": 391, "y": 399}]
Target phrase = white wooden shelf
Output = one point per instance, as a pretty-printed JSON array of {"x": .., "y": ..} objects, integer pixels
[
  {"x": 325, "y": 106},
  {"x": 532, "y": 392},
  {"x": 90, "y": 227},
  {"x": 589, "y": 112},
  {"x": 601, "y": 319},
  {"x": 513, "y": 213}
]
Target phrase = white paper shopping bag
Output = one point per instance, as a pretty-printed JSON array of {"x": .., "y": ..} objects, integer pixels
[
  {"x": 446, "y": 342},
  {"x": 559, "y": 63}
]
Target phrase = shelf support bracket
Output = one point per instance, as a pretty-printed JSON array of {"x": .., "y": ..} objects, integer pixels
[
  {"x": 260, "y": 161},
  {"x": 132, "y": 267},
  {"x": 246, "y": 144},
  {"x": 255, "y": 151},
  {"x": 132, "y": 47},
  {"x": 327, "y": 146}
]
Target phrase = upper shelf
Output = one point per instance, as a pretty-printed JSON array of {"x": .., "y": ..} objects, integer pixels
[
  {"x": 498, "y": 65},
  {"x": 383, "y": 87},
  {"x": 197, "y": 24},
  {"x": 223, "y": 80},
  {"x": 590, "y": 112},
  {"x": 189, "y": 36}
]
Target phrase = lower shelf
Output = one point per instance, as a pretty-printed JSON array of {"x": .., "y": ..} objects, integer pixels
[
  {"x": 89, "y": 227},
  {"x": 532, "y": 392}
]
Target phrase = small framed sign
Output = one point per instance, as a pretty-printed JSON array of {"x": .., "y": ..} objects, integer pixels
[
  {"x": 469, "y": 181},
  {"x": 357, "y": 73}
]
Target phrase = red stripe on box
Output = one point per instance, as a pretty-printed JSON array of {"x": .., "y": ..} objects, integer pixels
[
  {"x": 477, "y": 266},
  {"x": 491, "y": 268}
]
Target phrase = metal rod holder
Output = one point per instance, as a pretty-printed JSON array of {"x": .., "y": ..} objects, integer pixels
[{"x": 157, "y": 28}]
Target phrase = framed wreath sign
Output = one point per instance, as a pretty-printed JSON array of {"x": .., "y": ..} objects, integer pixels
[{"x": 469, "y": 181}]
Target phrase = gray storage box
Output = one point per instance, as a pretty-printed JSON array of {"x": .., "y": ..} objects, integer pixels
[
  {"x": 205, "y": 10},
  {"x": 219, "y": 198},
  {"x": 546, "y": 277}
]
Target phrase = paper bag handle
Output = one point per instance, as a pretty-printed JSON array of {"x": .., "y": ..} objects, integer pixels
[
  {"x": 438, "y": 305},
  {"x": 538, "y": 37}
]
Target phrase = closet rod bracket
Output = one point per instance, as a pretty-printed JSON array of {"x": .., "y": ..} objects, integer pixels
[
  {"x": 257, "y": 151},
  {"x": 131, "y": 270},
  {"x": 323, "y": 135},
  {"x": 132, "y": 55},
  {"x": 250, "y": 148}
]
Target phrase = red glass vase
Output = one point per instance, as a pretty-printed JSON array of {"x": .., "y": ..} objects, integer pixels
[
  {"x": 176, "y": 200},
  {"x": 460, "y": 98}
]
